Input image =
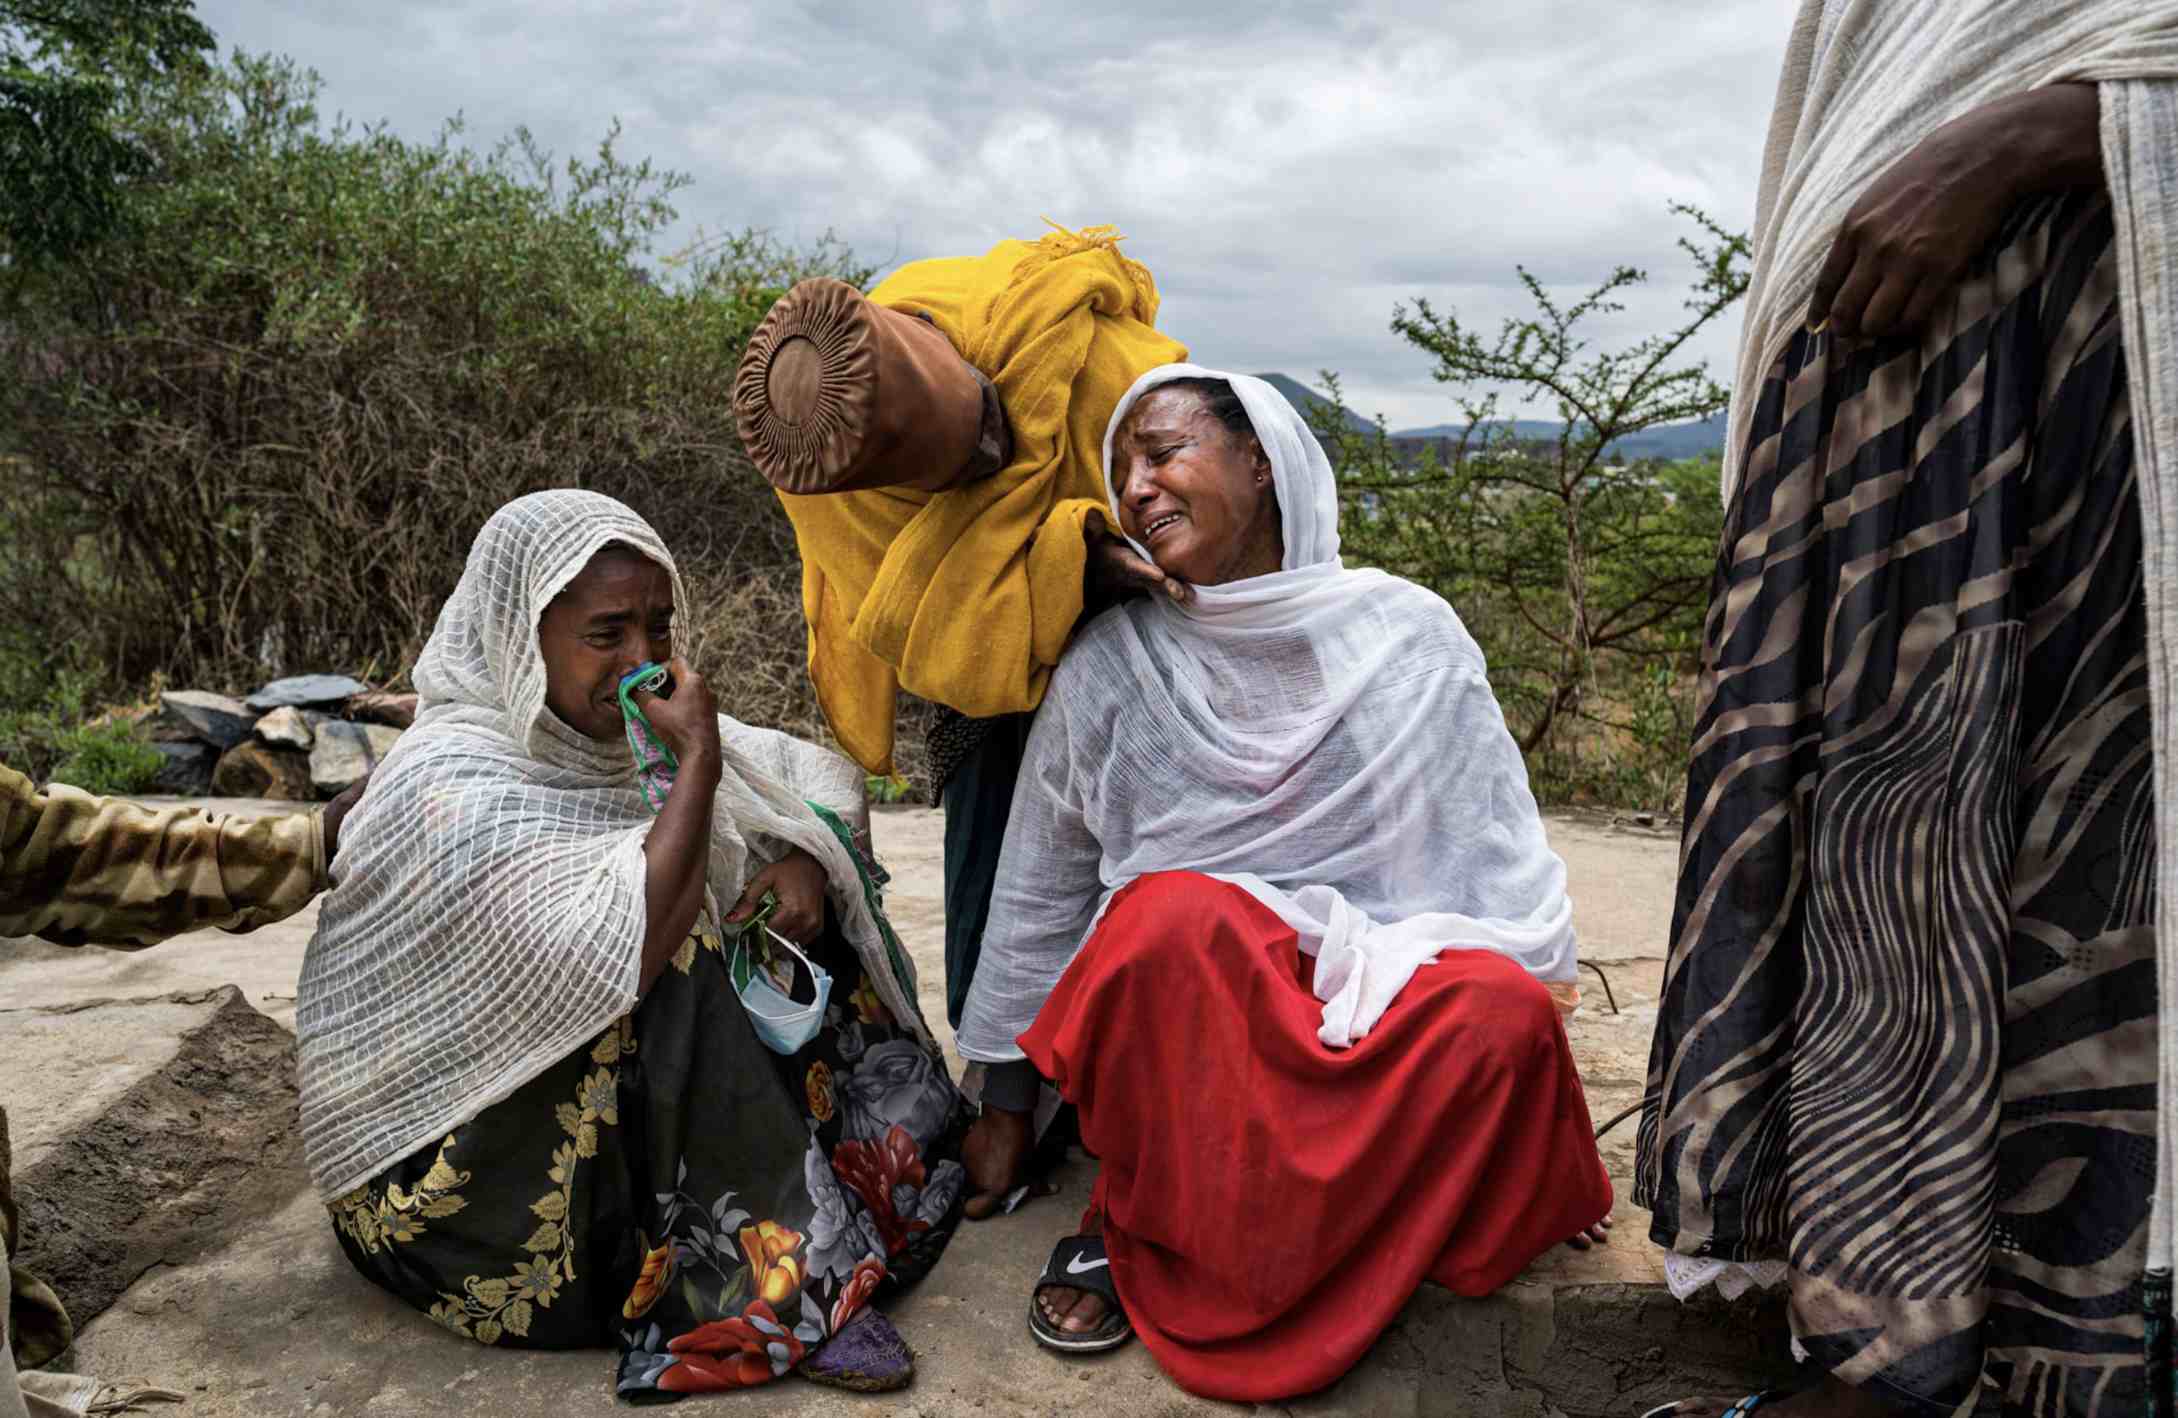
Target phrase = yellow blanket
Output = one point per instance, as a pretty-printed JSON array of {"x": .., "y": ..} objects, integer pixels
[{"x": 966, "y": 597}]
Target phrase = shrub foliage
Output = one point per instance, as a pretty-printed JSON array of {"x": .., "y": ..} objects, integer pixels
[
  {"x": 1583, "y": 575},
  {"x": 251, "y": 428}
]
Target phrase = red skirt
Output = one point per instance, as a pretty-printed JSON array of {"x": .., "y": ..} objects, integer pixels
[{"x": 1270, "y": 1204}]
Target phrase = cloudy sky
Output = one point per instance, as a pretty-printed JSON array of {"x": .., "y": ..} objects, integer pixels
[{"x": 1289, "y": 171}]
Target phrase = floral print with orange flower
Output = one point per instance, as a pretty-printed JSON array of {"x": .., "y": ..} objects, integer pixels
[
  {"x": 751, "y": 1349},
  {"x": 817, "y": 1087},
  {"x": 657, "y": 1271},
  {"x": 775, "y": 1271}
]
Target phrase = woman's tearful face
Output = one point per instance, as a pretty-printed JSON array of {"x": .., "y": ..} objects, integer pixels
[
  {"x": 1195, "y": 493},
  {"x": 616, "y": 614}
]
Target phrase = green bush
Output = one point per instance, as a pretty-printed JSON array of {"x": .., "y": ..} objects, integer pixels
[
  {"x": 44, "y": 735},
  {"x": 107, "y": 758},
  {"x": 253, "y": 431}
]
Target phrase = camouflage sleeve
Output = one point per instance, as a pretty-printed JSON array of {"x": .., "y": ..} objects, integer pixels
[{"x": 75, "y": 869}]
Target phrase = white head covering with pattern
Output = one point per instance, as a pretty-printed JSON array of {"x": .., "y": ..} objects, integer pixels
[{"x": 487, "y": 912}]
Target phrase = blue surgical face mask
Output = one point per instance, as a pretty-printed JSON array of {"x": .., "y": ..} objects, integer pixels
[{"x": 784, "y": 1026}]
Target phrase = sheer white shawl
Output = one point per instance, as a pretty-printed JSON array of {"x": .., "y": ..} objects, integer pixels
[
  {"x": 1324, "y": 738},
  {"x": 487, "y": 910}
]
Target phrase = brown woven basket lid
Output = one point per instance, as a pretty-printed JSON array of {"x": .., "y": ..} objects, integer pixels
[{"x": 836, "y": 394}]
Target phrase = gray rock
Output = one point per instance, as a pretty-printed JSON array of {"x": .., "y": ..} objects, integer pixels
[
  {"x": 188, "y": 768},
  {"x": 257, "y": 770},
  {"x": 383, "y": 706},
  {"x": 198, "y": 714},
  {"x": 301, "y": 690},
  {"x": 344, "y": 752},
  {"x": 287, "y": 727}
]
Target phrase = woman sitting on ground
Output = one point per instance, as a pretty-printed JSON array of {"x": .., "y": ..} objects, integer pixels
[
  {"x": 553, "y": 1092},
  {"x": 1276, "y": 913}
]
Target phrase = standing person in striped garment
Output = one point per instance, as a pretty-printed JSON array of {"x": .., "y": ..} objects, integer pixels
[{"x": 1905, "y": 1061}]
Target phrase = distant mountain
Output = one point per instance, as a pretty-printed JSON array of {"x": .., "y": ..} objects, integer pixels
[
  {"x": 1309, "y": 402},
  {"x": 1672, "y": 440}
]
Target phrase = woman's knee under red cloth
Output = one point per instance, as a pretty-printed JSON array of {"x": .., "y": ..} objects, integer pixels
[{"x": 1269, "y": 1204}]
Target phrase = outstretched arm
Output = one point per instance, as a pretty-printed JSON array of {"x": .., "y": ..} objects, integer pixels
[{"x": 77, "y": 869}]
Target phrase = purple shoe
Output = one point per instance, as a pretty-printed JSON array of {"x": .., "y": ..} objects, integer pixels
[{"x": 867, "y": 1355}]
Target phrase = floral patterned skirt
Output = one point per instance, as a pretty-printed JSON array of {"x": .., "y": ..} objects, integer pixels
[{"x": 676, "y": 1189}]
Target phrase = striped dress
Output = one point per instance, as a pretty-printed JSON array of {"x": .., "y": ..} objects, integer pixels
[{"x": 1907, "y": 1037}]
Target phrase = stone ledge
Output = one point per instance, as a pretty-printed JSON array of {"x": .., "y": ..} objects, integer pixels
[{"x": 274, "y": 1322}]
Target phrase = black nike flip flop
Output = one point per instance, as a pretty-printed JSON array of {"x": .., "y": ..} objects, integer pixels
[{"x": 1080, "y": 1263}]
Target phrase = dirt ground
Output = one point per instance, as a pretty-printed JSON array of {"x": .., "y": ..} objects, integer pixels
[{"x": 260, "y": 1315}]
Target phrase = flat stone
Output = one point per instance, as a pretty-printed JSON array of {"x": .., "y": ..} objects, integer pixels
[
  {"x": 203, "y": 716},
  {"x": 276, "y": 1323},
  {"x": 287, "y": 727},
  {"x": 344, "y": 752},
  {"x": 383, "y": 706},
  {"x": 188, "y": 767},
  {"x": 306, "y": 690},
  {"x": 69, "y": 1062},
  {"x": 142, "y": 1130},
  {"x": 258, "y": 770}
]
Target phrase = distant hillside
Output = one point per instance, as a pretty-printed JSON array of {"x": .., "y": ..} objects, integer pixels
[
  {"x": 1309, "y": 402},
  {"x": 1672, "y": 440}
]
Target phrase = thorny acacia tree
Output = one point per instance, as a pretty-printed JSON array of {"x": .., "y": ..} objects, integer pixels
[{"x": 1583, "y": 573}]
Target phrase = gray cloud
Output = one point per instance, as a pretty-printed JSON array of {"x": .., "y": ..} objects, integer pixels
[{"x": 1288, "y": 171}]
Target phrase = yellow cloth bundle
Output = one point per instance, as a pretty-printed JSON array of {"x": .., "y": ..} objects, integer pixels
[{"x": 967, "y": 596}]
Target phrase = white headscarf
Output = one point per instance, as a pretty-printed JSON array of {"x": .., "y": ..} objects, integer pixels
[
  {"x": 1323, "y": 738},
  {"x": 487, "y": 913}
]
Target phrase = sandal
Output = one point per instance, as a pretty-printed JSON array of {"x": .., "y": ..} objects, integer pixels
[
  {"x": 1080, "y": 1263},
  {"x": 1740, "y": 1409},
  {"x": 865, "y": 1355}
]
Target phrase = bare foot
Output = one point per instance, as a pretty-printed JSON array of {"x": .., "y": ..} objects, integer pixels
[
  {"x": 1071, "y": 1310},
  {"x": 1832, "y": 1398},
  {"x": 1596, "y": 1235},
  {"x": 994, "y": 1152}
]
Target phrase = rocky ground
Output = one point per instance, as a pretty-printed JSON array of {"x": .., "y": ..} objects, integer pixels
[{"x": 152, "y": 1100}]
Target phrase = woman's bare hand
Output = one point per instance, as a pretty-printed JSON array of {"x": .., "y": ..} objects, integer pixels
[
  {"x": 798, "y": 880},
  {"x": 688, "y": 721},
  {"x": 1916, "y": 229},
  {"x": 1116, "y": 570}
]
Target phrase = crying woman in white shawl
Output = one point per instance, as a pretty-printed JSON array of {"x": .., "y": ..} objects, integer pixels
[
  {"x": 1276, "y": 913},
  {"x": 617, "y": 1052}
]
